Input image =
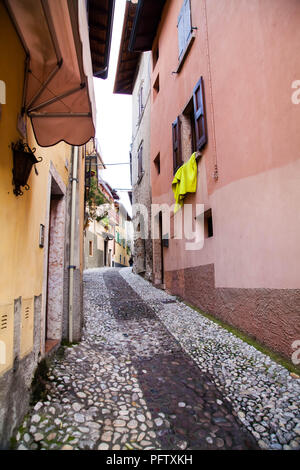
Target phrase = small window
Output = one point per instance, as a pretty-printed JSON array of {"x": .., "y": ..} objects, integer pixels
[
  {"x": 90, "y": 248},
  {"x": 208, "y": 224},
  {"x": 156, "y": 87},
  {"x": 184, "y": 28},
  {"x": 188, "y": 134},
  {"x": 124, "y": 260},
  {"x": 157, "y": 163},
  {"x": 120, "y": 258}
]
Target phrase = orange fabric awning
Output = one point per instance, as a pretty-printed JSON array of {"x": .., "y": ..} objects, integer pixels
[{"x": 58, "y": 88}]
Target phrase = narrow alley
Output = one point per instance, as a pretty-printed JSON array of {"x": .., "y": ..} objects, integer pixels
[
  {"x": 150, "y": 226},
  {"x": 130, "y": 383}
]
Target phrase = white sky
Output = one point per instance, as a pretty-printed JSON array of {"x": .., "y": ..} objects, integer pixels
[{"x": 114, "y": 128}]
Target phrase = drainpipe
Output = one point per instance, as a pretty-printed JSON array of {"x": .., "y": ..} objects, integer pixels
[{"x": 72, "y": 236}]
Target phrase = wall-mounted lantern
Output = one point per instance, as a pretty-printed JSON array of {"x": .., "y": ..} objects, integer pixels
[{"x": 23, "y": 160}]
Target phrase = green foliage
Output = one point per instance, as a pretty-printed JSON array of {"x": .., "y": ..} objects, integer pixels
[
  {"x": 94, "y": 200},
  {"x": 105, "y": 220}
]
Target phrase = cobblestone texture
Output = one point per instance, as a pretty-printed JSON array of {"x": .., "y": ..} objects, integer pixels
[{"x": 144, "y": 378}]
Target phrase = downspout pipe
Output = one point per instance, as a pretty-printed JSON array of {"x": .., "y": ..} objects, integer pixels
[{"x": 72, "y": 266}]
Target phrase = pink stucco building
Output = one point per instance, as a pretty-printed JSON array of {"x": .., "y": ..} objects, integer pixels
[{"x": 222, "y": 77}]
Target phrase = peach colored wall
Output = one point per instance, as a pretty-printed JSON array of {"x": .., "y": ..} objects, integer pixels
[{"x": 247, "y": 54}]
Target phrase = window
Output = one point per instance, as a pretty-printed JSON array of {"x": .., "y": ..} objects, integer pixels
[
  {"x": 90, "y": 248},
  {"x": 157, "y": 163},
  {"x": 189, "y": 129},
  {"x": 124, "y": 260},
  {"x": 184, "y": 28},
  {"x": 140, "y": 163},
  {"x": 208, "y": 224},
  {"x": 176, "y": 138},
  {"x": 120, "y": 259}
]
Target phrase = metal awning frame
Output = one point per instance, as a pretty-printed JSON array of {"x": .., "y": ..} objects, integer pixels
[{"x": 29, "y": 109}]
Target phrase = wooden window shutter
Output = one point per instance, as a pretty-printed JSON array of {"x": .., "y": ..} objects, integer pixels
[
  {"x": 176, "y": 137},
  {"x": 199, "y": 115}
]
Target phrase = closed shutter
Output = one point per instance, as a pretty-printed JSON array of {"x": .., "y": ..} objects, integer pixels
[
  {"x": 180, "y": 32},
  {"x": 199, "y": 115},
  {"x": 140, "y": 161},
  {"x": 187, "y": 21},
  {"x": 176, "y": 137},
  {"x": 184, "y": 27}
]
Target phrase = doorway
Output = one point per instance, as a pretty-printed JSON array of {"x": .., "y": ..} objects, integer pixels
[
  {"x": 55, "y": 267},
  {"x": 160, "y": 221},
  {"x": 105, "y": 252}
]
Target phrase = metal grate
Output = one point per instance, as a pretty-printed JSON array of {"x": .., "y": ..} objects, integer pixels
[
  {"x": 27, "y": 313},
  {"x": 3, "y": 322}
]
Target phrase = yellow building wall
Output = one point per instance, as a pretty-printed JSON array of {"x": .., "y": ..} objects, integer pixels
[
  {"x": 119, "y": 249},
  {"x": 21, "y": 258}
]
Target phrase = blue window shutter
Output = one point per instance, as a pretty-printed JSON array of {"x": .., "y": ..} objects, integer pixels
[
  {"x": 180, "y": 27},
  {"x": 187, "y": 21},
  {"x": 184, "y": 26}
]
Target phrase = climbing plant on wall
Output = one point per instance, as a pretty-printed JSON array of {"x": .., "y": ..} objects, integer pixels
[{"x": 94, "y": 200}]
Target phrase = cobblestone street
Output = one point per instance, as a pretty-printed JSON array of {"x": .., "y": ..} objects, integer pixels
[{"x": 152, "y": 373}]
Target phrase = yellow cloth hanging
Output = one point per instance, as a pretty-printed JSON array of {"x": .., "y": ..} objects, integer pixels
[{"x": 185, "y": 181}]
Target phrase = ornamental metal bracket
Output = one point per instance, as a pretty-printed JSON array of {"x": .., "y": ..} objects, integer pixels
[{"x": 23, "y": 160}]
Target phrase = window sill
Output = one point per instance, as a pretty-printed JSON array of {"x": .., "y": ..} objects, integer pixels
[{"x": 185, "y": 53}]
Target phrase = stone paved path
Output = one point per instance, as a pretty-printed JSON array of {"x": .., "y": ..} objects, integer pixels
[{"x": 129, "y": 384}]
